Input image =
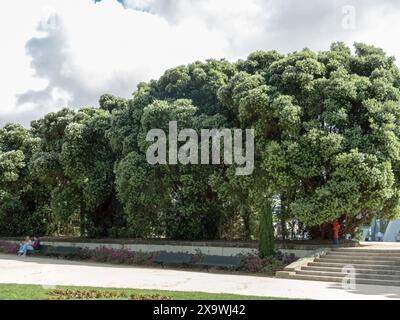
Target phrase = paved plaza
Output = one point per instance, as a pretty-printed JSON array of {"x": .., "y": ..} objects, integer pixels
[{"x": 14, "y": 270}]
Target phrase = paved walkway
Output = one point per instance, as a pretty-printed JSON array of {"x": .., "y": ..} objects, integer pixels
[{"x": 58, "y": 272}]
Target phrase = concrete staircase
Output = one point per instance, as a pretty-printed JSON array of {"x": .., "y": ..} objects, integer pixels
[{"x": 372, "y": 266}]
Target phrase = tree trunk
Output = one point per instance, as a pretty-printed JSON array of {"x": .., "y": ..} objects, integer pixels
[
  {"x": 83, "y": 220},
  {"x": 283, "y": 217},
  {"x": 244, "y": 212}
]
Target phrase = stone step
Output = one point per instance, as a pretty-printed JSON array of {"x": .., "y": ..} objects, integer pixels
[
  {"x": 339, "y": 279},
  {"x": 358, "y": 270},
  {"x": 362, "y": 257},
  {"x": 349, "y": 260},
  {"x": 361, "y": 266},
  {"x": 357, "y": 275},
  {"x": 362, "y": 250},
  {"x": 373, "y": 266},
  {"x": 363, "y": 254}
]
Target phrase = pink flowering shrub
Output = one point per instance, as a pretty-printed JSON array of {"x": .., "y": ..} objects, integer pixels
[
  {"x": 268, "y": 265},
  {"x": 120, "y": 256},
  {"x": 8, "y": 247}
]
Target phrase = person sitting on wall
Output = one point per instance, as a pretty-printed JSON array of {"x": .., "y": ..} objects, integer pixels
[
  {"x": 25, "y": 246},
  {"x": 36, "y": 243}
]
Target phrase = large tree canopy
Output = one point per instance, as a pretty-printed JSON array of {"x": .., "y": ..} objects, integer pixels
[
  {"x": 24, "y": 206},
  {"x": 326, "y": 147}
]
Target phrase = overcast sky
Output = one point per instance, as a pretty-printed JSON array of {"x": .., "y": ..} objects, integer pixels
[{"x": 57, "y": 53}]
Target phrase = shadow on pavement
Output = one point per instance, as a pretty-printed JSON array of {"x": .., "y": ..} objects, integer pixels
[
  {"x": 392, "y": 292},
  {"x": 55, "y": 261}
]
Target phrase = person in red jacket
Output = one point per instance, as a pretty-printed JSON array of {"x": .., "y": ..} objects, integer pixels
[
  {"x": 336, "y": 228},
  {"x": 36, "y": 243}
]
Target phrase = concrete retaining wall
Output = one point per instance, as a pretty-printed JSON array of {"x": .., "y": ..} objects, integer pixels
[{"x": 191, "y": 249}]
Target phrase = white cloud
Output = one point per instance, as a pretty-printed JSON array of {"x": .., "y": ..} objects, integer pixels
[
  {"x": 82, "y": 50},
  {"x": 79, "y": 50}
]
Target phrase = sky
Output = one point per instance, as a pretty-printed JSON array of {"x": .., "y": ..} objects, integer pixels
[{"x": 67, "y": 53}]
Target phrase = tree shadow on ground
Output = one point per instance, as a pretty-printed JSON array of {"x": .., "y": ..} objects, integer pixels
[
  {"x": 391, "y": 292},
  {"x": 60, "y": 261}
]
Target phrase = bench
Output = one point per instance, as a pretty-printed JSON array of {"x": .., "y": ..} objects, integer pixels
[
  {"x": 58, "y": 251},
  {"x": 220, "y": 261},
  {"x": 64, "y": 251},
  {"x": 173, "y": 258},
  {"x": 40, "y": 251}
]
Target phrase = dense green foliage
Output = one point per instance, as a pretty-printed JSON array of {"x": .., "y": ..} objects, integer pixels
[
  {"x": 327, "y": 146},
  {"x": 266, "y": 247}
]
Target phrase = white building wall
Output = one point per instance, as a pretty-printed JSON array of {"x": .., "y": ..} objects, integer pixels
[{"x": 392, "y": 231}]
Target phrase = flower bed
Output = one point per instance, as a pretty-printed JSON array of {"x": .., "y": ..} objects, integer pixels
[
  {"x": 8, "y": 247},
  {"x": 249, "y": 263},
  {"x": 268, "y": 265},
  {"x": 118, "y": 256},
  {"x": 103, "y": 295}
]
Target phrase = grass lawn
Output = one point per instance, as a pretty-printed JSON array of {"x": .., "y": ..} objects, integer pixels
[{"x": 35, "y": 292}]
